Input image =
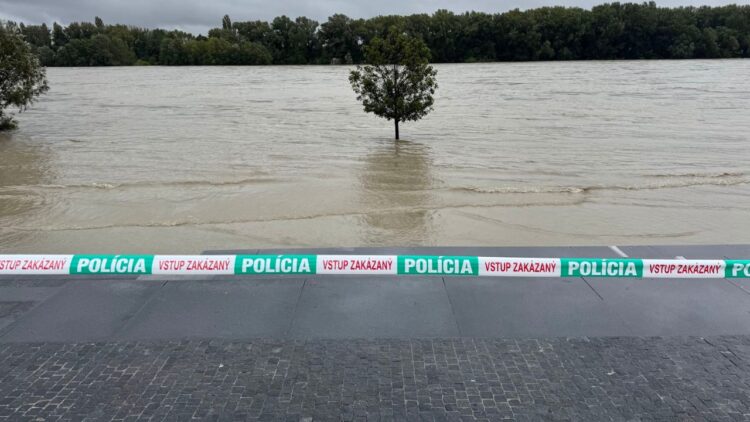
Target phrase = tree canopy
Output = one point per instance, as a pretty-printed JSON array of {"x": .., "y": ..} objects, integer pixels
[
  {"x": 22, "y": 79},
  {"x": 397, "y": 83},
  {"x": 607, "y": 31}
]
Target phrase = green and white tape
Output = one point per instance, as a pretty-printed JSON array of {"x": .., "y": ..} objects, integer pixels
[{"x": 420, "y": 265}]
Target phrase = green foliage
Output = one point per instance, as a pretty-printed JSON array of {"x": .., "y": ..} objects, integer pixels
[
  {"x": 22, "y": 79},
  {"x": 608, "y": 31},
  {"x": 212, "y": 51},
  {"x": 59, "y": 37},
  {"x": 46, "y": 56},
  {"x": 340, "y": 36},
  {"x": 294, "y": 42},
  {"x": 397, "y": 83},
  {"x": 36, "y": 35}
]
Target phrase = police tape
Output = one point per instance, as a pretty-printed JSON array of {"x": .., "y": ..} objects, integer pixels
[{"x": 371, "y": 265}]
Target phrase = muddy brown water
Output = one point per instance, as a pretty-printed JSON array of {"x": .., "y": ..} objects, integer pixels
[{"x": 180, "y": 160}]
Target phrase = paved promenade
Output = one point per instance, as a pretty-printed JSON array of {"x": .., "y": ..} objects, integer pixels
[
  {"x": 432, "y": 379},
  {"x": 379, "y": 348}
]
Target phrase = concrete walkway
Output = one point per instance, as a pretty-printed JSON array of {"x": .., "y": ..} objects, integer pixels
[
  {"x": 82, "y": 309},
  {"x": 379, "y": 348}
]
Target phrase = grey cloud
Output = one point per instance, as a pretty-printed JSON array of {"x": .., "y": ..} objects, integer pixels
[{"x": 200, "y": 15}]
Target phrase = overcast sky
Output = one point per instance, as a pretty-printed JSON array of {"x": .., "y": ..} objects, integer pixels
[{"x": 198, "y": 16}]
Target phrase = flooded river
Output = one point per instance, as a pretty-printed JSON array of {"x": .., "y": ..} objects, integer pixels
[{"x": 180, "y": 160}]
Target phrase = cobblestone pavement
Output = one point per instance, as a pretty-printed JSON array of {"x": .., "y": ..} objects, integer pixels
[{"x": 438, "y": 379}]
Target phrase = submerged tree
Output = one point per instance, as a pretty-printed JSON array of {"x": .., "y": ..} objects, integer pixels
[
  {"x": 22, "y": 78},
  {"x": 397, "y": 83}
]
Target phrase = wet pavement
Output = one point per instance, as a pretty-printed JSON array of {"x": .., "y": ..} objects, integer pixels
[{"x": 379, "y": 348}]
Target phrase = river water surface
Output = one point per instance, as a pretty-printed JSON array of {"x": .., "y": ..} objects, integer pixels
[{"x": 160, "y": 160}]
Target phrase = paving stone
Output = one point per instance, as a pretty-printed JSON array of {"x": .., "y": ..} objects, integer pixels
[{"x": 617, "y": 379}]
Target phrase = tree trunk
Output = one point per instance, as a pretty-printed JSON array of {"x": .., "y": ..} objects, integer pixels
[{"x": 395, "y": 94}]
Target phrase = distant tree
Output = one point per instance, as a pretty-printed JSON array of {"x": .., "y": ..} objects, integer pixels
[
  {"x": 36, "y": 35},
  {"x": 397, "y": 83},
  {"x": 304, "y": 39},
  {"x": 99, "y": 22},
  {"x": 226, "y": 23},
  {"x": 22, "y": 78},
  {"x": 294, "y": 41},
  {"x": 445, "y": 25},
  {"x": 255, "y": 31},
  {"x": 59, "y": 37},
  {"x": 338, "y": 37},
  {"x": 81, "y": 30},
  {"x": 710, "y": 48},
  {"x": 547, "y": 52},
  {"x": 76, "y": 52},
  {"x": 250, "y": 53},
  {"x": 46, "y": 56},
  {"x": 147, "y": 44},
  {"x": 173, "y": 52},
  {"x": 106, "y": 51},
  {"x": 682, "y": 48}
]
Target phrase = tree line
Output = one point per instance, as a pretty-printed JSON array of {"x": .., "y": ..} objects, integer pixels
[{"x": 608, "y": 31}]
